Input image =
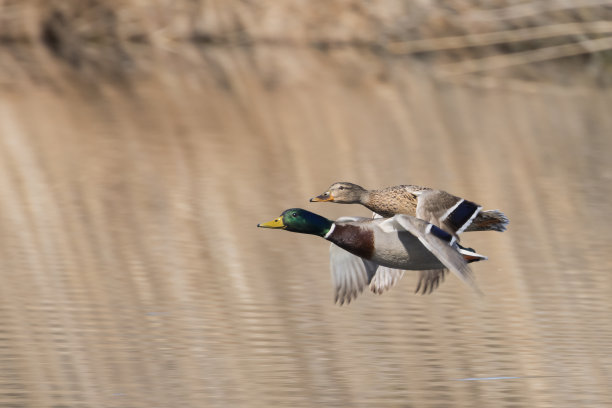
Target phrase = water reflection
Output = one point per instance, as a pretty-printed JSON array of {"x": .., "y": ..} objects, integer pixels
[{"x": 134, "y": 275}]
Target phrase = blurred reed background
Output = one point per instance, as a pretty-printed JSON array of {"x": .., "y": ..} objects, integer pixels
[{"x": 142, "y": 141}]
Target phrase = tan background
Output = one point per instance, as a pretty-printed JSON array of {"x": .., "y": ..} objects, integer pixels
[{"x": 131, "y": 182}]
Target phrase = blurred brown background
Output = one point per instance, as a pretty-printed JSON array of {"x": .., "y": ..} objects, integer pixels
[{"x": 142, "y": 141}]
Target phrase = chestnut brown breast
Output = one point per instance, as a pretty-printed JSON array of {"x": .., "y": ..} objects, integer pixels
[{"x": 358, "y": 241}]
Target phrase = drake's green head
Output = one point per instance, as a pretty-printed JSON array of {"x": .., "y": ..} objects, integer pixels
[{"x": 299, "y": 220}]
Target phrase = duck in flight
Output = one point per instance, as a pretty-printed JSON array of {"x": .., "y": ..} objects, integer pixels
[
  {"x": 451, "y": 213},
  {"x": 370, "y": 251}
]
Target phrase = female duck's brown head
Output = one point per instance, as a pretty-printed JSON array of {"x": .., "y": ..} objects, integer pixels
[{"x": 342, "y": 192}]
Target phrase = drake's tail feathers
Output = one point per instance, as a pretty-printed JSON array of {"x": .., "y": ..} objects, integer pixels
[{"x": 492, "y": 220}]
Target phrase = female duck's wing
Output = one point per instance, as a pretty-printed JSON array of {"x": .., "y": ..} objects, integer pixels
[
  {"x": 438, "y": 242},
  {"x": 451, "y": 213},
  {"x": 351, "y": 274}
]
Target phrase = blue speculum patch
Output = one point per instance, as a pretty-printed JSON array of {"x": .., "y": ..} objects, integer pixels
[
  {"x": 440, "y": 233},
  {"x": 462, "y": 214}
]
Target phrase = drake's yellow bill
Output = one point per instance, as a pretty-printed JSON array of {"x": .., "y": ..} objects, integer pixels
[{"x": 276, "y": 223}]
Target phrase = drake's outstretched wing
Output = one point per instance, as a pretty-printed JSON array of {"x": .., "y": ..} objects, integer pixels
[
  {"x": 385, "y": 278},
  {"x": 438, "y": 242},
  {"x": 429, "y": 281},
  {"x": 351, "y": 274}
]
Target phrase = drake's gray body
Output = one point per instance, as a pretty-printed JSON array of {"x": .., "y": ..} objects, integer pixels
[
  {"x": 393, "y": 249},
  {"x": 380, "y": 249},
  {"x": 397, "y": 249},
  {"x": 402, "y": 250}
]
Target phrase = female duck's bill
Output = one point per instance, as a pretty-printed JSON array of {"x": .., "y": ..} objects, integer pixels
[{"x": 326, "y": 196}]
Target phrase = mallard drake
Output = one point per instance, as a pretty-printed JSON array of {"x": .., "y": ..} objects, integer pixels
[
  {"x": 376, "y": 251},
  {"x": 451, "y": 213}
]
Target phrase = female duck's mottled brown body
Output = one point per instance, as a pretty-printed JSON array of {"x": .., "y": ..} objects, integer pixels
[
  {"x": 392, "y": 200},
  {"x": 449, "y": 212}
]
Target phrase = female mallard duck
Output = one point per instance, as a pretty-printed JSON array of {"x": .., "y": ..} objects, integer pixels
[
  {"x": 379, "y": 249},
  {"x": 444, "y": 210}
]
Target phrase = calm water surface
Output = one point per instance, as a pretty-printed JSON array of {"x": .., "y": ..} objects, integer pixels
[{"x": 133, "y": 274}]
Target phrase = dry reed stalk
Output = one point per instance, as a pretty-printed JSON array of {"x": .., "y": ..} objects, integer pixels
[
  {"x": 532, "y": 9},
  {"x": 526, "y": 57},
  {"x": 500, "y": 37}
]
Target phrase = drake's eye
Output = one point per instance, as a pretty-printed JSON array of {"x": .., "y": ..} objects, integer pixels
[{"x": 294, "y": 215}]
